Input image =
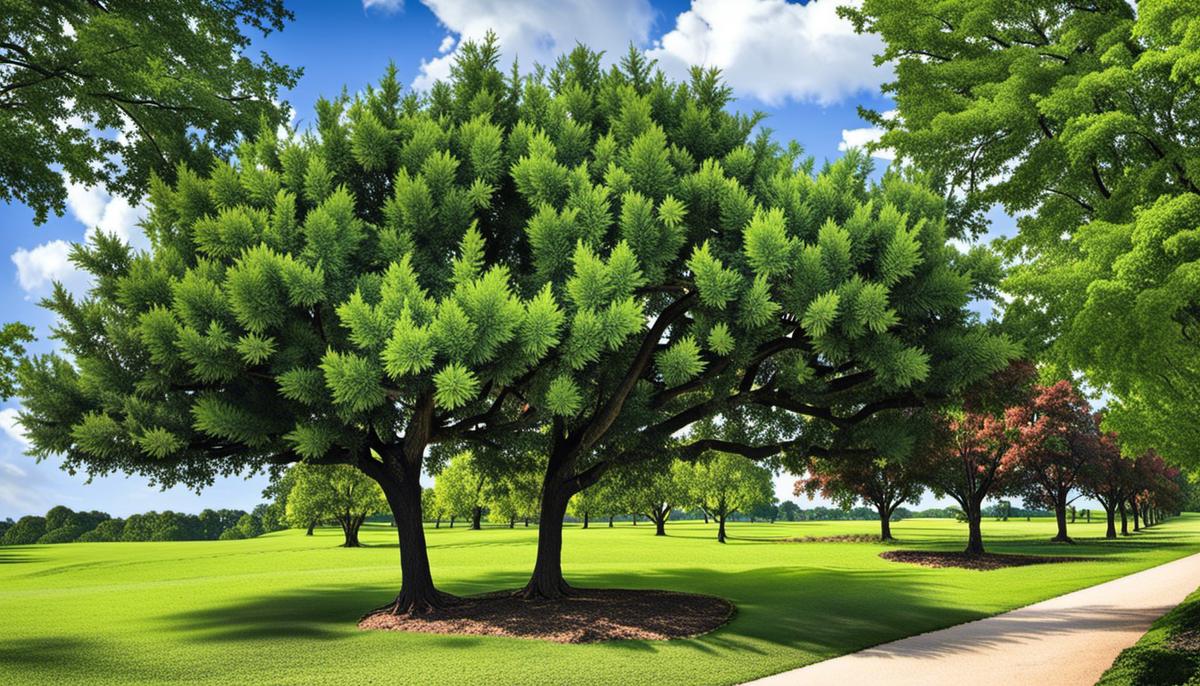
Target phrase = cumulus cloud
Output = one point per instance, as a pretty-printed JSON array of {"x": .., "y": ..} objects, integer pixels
[
  {"x": 536, "y": 31},
  {"x": 861, "y": 138},
  {"x": 10, "y": 428},
  {"x": 41, "y": 266},
  {"x": 774, "y": 50},
  {"x": 386, "y": 6},
  {"x": 99, "y": 211}
]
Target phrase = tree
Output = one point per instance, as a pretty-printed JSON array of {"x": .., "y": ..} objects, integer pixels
[
  {"x": 515, "y": 495},
  {"x": 629, "y": 262},
  {"x": 652, "y": 490},
  {"x": 5, "y": 525},
  {"x": 1056, "y": 439},
  {"x": 723, "y": 483},
  {"x": 767, "y": 510},
  {"x": 963, "y": 451},
  {"x": 173, "y": 79},
  {"x": 884, "y": 483},
  {"x": 108, "y": 531},
  {"x": 1082, "y": 119},
  {"x": 338, "y": 492},
  {"x": 25, "y": 531},
  {"x": 459, "y": 489},
  {"x": 789, "y": 511},
  {"x": 1107, "y": 478},
  {"x": 431, "y": 511},
  {"x": 213, "y": 523}
]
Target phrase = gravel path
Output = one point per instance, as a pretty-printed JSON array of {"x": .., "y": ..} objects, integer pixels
[{"x": 1067, "y": 641}]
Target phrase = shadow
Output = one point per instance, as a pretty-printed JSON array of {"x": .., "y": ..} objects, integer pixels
[{"x": 15, "y": 556}]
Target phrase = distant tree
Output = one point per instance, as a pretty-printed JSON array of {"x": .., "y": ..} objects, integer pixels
[
  {"x": 593, "y": 502},
  {"x": 26, "y": 530},
  {"x": 652, "y": 490},
  {"x": 789, "y": 511},
  {"x": 1056, "y": 438},
  {"x": 338, "y": 492},
  {"x": 515, "y": 495},
  {"x": 884, "y": 483},
  {"x": 276, "y": 493},
  {"x": 430, "y": 509},
  {"x": 105, "y": 532},
  {"x": 459, "y": 489},
  {"x": 723, "y": 483},
  {"x": 172, "y": 78},
  {"x": 1108, "y": 478},
  {"x": 215, "y": 522},
  {"x": 5, "y": 525},
  {"x": 271, "y": 516},
  {"x": 767, "y": 510}
]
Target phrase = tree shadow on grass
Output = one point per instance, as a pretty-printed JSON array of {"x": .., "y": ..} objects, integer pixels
[{"x": 15, "y": 555}]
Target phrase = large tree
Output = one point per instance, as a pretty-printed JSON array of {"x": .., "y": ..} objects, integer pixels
[
  {"x": 1056, "y": 438},
  {"x": 1082, "y": 119},
  {"x": 171, "y": 78},
  {"x": 723, "y": 483},
  {"x": 579, "y": 263},
  {"x": 335, "y": 492}
]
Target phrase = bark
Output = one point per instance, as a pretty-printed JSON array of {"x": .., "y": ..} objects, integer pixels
[
  {"x": 452, "y": 518},
  {"x": 437, "y": 523},
  {"x": 885, "y": 523},
  {"x": 1124, "y": 518},
  {"x": 975, "y": 532},
  {"x": 417, "y": 591},
  {"x": 610, "y": 521},
  {"x": 706, "y": 516},
  {"x": 720, "y": 528},
  {"x": 1136, "y": 515},
  {"x": 547, "y": 580},
  {"x": 311, "y": 526},
  {"x": 476, "y": 518},
  {"x": 660, "y": 526},
  {"x": 512, "y": 522},
  {"x": 585, "y": 520},
  {"x": 1111, "y": 513},
  {"x": 350, "y": 526},
  {"x": 1060, "y": 516}
]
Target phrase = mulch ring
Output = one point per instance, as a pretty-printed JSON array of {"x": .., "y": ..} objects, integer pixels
[
  {"x": 586, "y": 616},
  {"x": 844, "y": 538},
  {"x": 983, "y": 563}
]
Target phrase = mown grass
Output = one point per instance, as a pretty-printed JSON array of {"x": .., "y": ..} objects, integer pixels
[
  {"x": 281, "y": 609},
  {"x": 1166, "y": 656}
]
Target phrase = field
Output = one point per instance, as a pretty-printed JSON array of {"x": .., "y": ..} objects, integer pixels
[{"x": 282, "y": 608}]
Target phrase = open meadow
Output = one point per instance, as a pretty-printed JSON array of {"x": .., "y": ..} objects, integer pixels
[{"x": 282, "y": 608}]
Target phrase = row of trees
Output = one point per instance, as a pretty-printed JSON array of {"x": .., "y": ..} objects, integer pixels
[
  {"x": 63, "y": 525},
  {"x": 1014, "y": 437}
]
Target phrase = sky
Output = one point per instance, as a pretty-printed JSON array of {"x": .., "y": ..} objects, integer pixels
[{"x": 800, "y": 64}]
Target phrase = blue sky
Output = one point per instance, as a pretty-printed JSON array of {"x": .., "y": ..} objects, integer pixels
[{"x": 799, "y": 63}]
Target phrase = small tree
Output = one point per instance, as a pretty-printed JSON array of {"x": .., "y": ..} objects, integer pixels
[
  {"x": 722, "y": 484},
  {"x": 1056, "y": 438},
  {"x": 652, "y": 490},
  {"x": 338, "y": 492},
  {"x": 431, "y": 510},
  {"x": 459, "y": 488},
  {"x": 883, "y": 483},
  {"x": 789, "y": 511},
  {"x": 1108, "y": 478},
  {"x": 515, "y": 495}
]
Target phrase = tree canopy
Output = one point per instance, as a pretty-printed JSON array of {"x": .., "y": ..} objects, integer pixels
[
  {"x": 333, "y": 492},
  {"x": 108, "y": 93},
  {"x": 1081, "y": 119}
]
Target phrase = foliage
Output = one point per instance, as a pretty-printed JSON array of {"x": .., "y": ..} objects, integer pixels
[
  {"x": 459, "y": 487},
  {"x": 1163, "y": 655},
  {"x": 1081, "y": 119},
  {"x": 26, "y": 530},
  {"x": 333, "y": 492},
  {"x": 172, "y": 79},
  {"x": 722, "y": 484},
  {"x": 13, "y": 337}
]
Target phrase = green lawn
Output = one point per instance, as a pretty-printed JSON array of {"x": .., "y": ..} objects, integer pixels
[{"x": 282, "y": 608}]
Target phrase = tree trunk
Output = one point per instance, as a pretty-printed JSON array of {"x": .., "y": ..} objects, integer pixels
[
  {"x": 476, "y": 517},
  {"x": 1124, "y": 518},
  {"x": 512, "y": 522},
  {"x": 547, "y": 580},
  {"x": 660, "y": 522},
  {"x": 705, "y": 516},
  {"x": 610, "y": 521},
  {"x": 437, "y": 523},
  {"x": 720, "y": 527},
  {"x": 1111, "y": 513},
  {"x": 417, "y": 591},
  {"x": 585, "y": 520},
  {"x": 527, "y": 521},
  {"x": 350, "y": 526},
  {"x": 974, "y": 528},
  {"x": 634, "y": 517},
  {"x": 452, "y": 518},
  {"x": 1060, "y": 516},
  {"x": 885, "y": 524},
  {"x": 1136, "y": 515},
  {"x": 311, "y": 526}
]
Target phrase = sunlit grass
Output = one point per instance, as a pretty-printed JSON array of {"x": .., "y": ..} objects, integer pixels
[{"x": 282, "y": 608}]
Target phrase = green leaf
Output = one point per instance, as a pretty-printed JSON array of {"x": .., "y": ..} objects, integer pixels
[{"x": 455, "y": 386}]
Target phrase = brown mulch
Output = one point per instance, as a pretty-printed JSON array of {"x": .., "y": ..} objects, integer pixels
[
  {"x": 983, "y": 563},
  {"x": 844, "y": 538},
  {"x": 586, "y": 616}
]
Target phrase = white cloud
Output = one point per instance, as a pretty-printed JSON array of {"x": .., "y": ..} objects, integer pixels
[
  {"x": 774, "y": 50},
  {"x": 385, "y": 6},
  {"x": 860, "y": 138},
  {"x": 38, "y": 268},
  {"x": 97, "y": 210},
  {"x": 537, "y": 31},
  {"x": 10, "y": 428},
  {"x": 446, "y": 45}
]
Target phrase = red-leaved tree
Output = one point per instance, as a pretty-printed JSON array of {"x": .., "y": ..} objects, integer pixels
[
  {"x": 882, "y": 483},
  {"x": 1108, "y": 478},
  {"x": 1055, "y": 440}
]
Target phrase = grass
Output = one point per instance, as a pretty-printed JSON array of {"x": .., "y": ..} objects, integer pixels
[
  {"x": 1157, "y": 659},
  {"x": 282, "y": 608}
]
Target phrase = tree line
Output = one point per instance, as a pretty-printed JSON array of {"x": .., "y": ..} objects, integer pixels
[{"x": 64, "y": 525}]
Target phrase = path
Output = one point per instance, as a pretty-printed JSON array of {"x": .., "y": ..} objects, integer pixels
[{"x": 1069, "y": 640}]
